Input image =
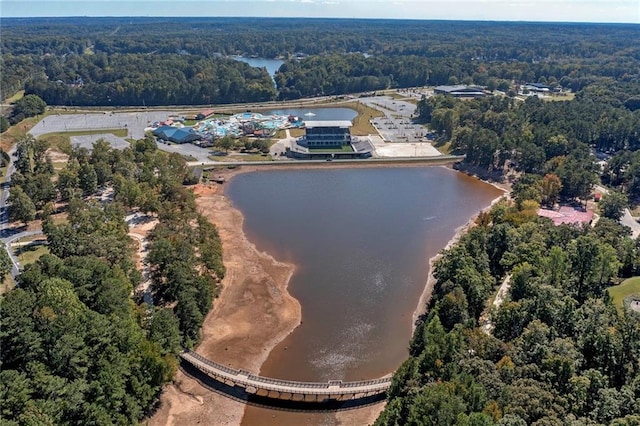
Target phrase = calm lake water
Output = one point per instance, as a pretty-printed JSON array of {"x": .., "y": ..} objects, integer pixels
[
  {"x": 360, "y": 239},
  {"x": 318, "y": 114},
  {"x": 272, "y": 65}
]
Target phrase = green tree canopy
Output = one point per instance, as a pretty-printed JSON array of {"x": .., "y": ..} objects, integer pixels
[{"x": 29, "y": 106}]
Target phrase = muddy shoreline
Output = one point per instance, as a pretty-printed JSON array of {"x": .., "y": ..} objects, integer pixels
[
  {"x": 431, "y": 280},
  {"x": 253, "y": 313}
]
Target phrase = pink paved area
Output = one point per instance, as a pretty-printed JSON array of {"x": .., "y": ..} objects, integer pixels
[{"x": 568, "y": 215}]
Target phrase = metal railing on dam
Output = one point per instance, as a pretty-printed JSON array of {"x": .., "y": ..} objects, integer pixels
[{"x": 287, "y": 389}]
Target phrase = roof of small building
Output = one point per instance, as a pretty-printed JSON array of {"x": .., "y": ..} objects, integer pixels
[
  {"x": 332, "y": 123},
  {"x": 450, "y": 88},
  {"x": 175, "y": 133},
  {"x": 459, "y": 88},
  {"x": 538, "y": 85},
  {"x": 567, "y": 214}
]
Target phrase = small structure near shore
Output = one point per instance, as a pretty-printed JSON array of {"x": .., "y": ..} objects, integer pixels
[{"x": 567, "y": 215}]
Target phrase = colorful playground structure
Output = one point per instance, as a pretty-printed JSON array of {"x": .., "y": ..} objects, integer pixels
[{"x": 251, "y": 124}]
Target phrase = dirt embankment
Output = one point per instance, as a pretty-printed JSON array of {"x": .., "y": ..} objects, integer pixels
[{"x": 253, "y": 314}]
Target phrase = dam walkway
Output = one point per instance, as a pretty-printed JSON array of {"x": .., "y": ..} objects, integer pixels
[{"x": 287, "y": 389}]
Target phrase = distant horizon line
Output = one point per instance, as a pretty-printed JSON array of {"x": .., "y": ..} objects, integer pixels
[{"x": 320, "y": 18}]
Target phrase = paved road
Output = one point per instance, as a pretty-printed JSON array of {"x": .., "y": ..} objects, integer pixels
[
  {"x": 4, "y": 211},
  {"x": 7, "y": 235},
  {"x": 631, "y": 222},
  {"x": 626, "y": 219},
  {"x": 440, "y": 159},
  {"x": 8, "y": 239}
]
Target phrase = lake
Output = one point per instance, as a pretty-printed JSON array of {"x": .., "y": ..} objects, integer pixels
[
  {"x": 360, "y": 239},
  {"x": 272, "y": 65},
  {"x": 318, "y": 114}
]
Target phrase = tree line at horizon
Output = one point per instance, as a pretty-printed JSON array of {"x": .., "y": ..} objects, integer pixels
[{"x": 160, "y": 62}]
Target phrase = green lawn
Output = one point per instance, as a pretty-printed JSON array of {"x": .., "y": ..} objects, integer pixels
[
  {"x": 362, "y": 123},
  {"x": 344, "y": 148},
  {"x": 560, "y": 97},
  {"x": 15, "y": 97},
  {"x": 236, "y": 157},
  {"x": 19, "y": 131},
  {"x": 30, "y": 253},
  {"x": 7, "y": 284},
  {"x": 628, "y": 287}
]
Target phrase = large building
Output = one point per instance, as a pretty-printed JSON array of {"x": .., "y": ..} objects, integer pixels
[
  {"x": 460, "y": 91},
  {"x": 177, "y": 135},
  {"x": 328, "y": 140},
  {"x": 326, "y": 134}
]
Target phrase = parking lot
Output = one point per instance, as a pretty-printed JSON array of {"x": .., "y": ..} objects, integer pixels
[
  {"x": 134, "y": 122},
  {"x": 397, "y": 124},
  {"x": 88, "y": 140},
  {"x": 399, "y": 136}
]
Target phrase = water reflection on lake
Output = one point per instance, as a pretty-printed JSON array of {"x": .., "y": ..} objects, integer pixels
[
  {"x": 272, "y": 65},
  {"x": 360, "y": 239},
  {"x": 318, "y": 114}
]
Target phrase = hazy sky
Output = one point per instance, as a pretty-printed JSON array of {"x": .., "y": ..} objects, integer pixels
[{"x": 498, "y": 10}]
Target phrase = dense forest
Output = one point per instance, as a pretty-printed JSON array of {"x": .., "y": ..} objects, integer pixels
[
  {"x": 555, "y": 352},
  {"x": 158, "y": 61},
  {"x": 538, "y": 138},
  {"x": 78, "y": 345}
]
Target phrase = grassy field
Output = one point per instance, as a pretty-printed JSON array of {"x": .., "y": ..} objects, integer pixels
[
  {"x": 444, "y": 148},
  {"x": 294, "y": 132},
  {"x": 19, "y": 131},
  {"x": 61, "y": 141},
  {"x": 562, "y": 97},
  {"x": 628, "y": 287},
  {"x": 344, "y": 148},
  {"x": 242, "y": 157},
  {"x": 30, "y": 253},
  {"x": 7, "y": 284},
  {"x": 14, "y": 98},
  {"x": 362, "y": 123}
]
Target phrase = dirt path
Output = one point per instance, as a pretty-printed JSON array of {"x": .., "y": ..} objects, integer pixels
[
  {"x": 485, "y": 319},
  {"x": 253, "y": 314}
]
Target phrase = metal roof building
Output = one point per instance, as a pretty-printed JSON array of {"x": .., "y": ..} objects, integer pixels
[
  {"x": 175, "y": 134},
  {"x": 328, "y": 123},
  {"x": 460, "y": 91}
]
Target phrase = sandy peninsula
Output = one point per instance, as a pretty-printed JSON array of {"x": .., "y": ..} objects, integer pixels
[{"x": 253, "y": 313}]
